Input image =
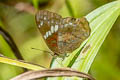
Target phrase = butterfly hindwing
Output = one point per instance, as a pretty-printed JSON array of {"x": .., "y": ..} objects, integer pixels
[{"x": 73, "y": 33}]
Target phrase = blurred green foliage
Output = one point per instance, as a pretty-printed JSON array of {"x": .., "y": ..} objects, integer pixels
[{"x": 21, "y": 26}]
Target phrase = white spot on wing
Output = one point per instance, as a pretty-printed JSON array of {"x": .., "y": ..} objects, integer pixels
[
  {"x": 45, "y": 36},
  {"x": 52, "y": 29},
  {"x": 49, "y": 32},
  {"x": 56, "y": 28},
  {"x": 45, "y": 18},
  {"x": 41, "y": 23}
]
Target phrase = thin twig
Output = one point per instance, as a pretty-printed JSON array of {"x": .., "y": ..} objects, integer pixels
[{"x": 58, "y": 72}]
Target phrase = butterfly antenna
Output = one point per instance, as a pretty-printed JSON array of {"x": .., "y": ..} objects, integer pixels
[
  {"x": 41, "y": 50},
  {"x": 44, "y": 51}
]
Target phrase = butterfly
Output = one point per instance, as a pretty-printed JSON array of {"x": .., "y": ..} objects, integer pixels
[{"x": 62, "y": 35}]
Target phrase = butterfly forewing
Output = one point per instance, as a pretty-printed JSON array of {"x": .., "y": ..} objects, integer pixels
[{"x": 48, "y": 24}]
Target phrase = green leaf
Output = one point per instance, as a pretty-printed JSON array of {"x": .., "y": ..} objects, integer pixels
[
  {"x": 101, "y": 21},
  {"x": 20, "y": 63}
]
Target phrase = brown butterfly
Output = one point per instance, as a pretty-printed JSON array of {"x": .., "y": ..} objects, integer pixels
[{"x": 62, "y": 35}]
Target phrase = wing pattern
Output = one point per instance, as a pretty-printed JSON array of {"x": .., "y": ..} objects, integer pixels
[{"x": 62, "y": 35}]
